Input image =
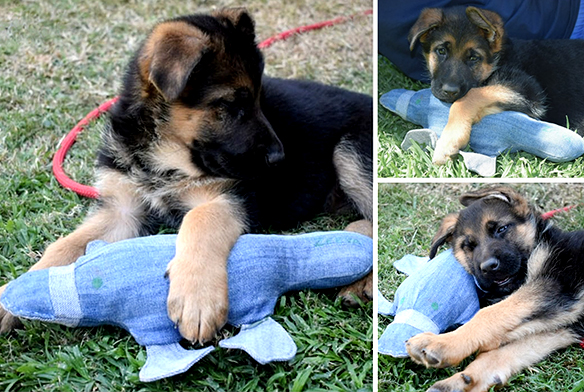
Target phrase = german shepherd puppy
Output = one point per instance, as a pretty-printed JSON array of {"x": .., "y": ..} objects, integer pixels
[
  {"x": 200, "y": 141},
  {"x": 531, "y": 271},
  {"x": 481, "y": 71}
]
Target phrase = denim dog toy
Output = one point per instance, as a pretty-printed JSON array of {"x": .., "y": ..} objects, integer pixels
[
  {"x": 494, "y": 134},
  {"x": 123, "y": 284},
  {"x": 437, "y": 295}
]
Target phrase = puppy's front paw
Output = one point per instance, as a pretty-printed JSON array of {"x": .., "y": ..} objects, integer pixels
[
  {"x": 361, "y": 289},
  {"x": 460, "y": 382},
  {"x": 432, "y": 350},
  {"x": 444, "y": 151},
  {"x": 197, "y": 300},
  {"x": 7, "y": 321}
]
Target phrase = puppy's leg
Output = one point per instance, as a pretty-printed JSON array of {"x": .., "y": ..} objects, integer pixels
[
  {"x": 469, "y": 110},
  {"x": 363, "y": 288},
  {"x": 354, "y": 169},
  {"x": 494, "y": 368},
  {"x": 119, "y": 217},
  {"x": 198, "y": 296},
  {"x": 486, "y": 331}
]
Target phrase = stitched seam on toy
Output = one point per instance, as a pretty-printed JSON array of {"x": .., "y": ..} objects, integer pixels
[
  {"x": 417, "y": 320},
  {"x": 403, "y": 102},
  {"x": 64, "y": 295}
]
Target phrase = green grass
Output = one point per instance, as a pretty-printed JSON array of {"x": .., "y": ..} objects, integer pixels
[
  {"x": 60, "y": 59},
  {"x": 393, "y": 162},
  {"x": 409, "y": 215}
]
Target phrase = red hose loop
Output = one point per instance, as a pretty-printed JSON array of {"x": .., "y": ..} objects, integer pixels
[
  {"x": 67, "y": 142},
  {"x": 549, "y": 214}
]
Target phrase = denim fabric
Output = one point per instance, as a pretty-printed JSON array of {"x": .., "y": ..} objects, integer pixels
[
  {"x": 123, "y": 284},
  {"x": 384, "y": 306},
  {"x": 438, "y": 295},
  {"x": 286, "y": 263},
  {"x": 169, "y": 360},
  {"x": 494, "y": 134},
  {"x": 265, "y": 341}
]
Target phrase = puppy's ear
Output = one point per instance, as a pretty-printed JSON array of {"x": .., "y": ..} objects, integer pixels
[
  {"x": 429, "y": 19},
  {"x": 444, "y": 233},
  {"x": 490, "y": 23},
  {"x": 170, "y": 54},
  {"x": 238, "y": 18},
  {"x": 508, "y": 195}
]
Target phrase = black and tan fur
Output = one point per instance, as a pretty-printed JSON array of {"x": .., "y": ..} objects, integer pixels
[
  {"x": 474, "y": 65},
  {"x": 532, "y": 272},
  {"x": 201, "y": 141}
]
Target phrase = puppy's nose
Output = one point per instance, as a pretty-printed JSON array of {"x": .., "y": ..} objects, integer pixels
[
  {"x": 274, "y": 156},
  {"x": 490, "y": 265},
  {"x": 451, "y": 90}
]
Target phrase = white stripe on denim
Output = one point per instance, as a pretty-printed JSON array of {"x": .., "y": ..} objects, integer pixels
[
  {"x": 416, "y": 319},
  {"x": 64, "y": 295},
  {"x": 401, "y": 106}
]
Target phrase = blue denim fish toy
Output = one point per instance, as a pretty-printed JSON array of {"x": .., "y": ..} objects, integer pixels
[
  {"x": 437, "y": 295},
  {"x": 123, "y": 284}
]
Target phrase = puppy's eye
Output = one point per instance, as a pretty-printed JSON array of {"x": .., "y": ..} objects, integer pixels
[
  {"x": 222, "y": 103},
  {"x": 469, "y": 245},
  {"x": 502, "y": 229},
  {"x": 474, "y": 58},
  {"x": 441, "y": 51}
]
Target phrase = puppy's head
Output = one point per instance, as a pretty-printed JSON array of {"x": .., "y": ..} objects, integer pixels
[
  {"x": 201, "y": 76},
  {"x": 492, "y": 238},
  {"x": 461, "y": 47}
]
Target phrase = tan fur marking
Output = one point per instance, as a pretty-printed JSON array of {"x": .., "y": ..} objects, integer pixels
[
  {"x": 527, "y": 233},
  {"x": 461, "y": 255},
  {"x": 197, "y": 298},
  {"x": 491, "y": 26},
  {"x": 536, "y": 261},
  {"x": 159, "y": 35},
  {"x": 446, "y": 228},
  {"x": 169, "y": 155},
  {"x": 172, "y": 48},
  {"x": 504, "y": 193},
  {"x": 561, "y": 319},
  {"x": 431, "y": 62},
  {"x": 116, "y": 220},
  {"x": 485, "y": 71},
  {"x": 471, "y": 45},
  {"x": 184, "y": 123},
  {"x": 429, "y": 18},
  {"x": 354, "y": 178},
  {"x": 233, "y": 14}
]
